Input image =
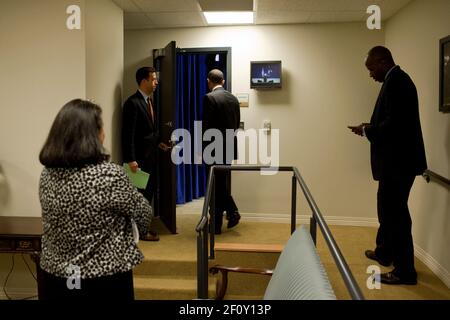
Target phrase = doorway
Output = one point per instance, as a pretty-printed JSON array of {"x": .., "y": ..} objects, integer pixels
[
  {"x": 192, "y": 67},
  {"x": 179, "y": 102}
]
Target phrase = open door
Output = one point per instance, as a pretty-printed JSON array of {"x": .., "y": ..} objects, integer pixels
[{"x": 164, "y": 60}]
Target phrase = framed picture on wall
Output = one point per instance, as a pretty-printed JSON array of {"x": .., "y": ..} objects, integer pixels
[{"x": 444, "y": 74}]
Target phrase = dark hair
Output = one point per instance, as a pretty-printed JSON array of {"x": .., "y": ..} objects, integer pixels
[
  {"x": 381, "y": 53},
  {"x": 143, "y": 73},
  {"x": 215, "y": 76},
  {"x": 73, "y": 140}
]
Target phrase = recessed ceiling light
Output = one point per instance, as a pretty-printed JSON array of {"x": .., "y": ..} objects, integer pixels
[{"x": 229, "y": 17}]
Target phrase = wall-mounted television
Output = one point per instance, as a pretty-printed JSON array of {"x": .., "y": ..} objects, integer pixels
[{"x": 265, "y": 74}]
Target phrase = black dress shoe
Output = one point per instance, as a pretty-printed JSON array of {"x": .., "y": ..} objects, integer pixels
[
  {"x": 151, "y": 236},
  {"x": 372, "y": 255},
  {"x": 233, "y": 220},
  {"x": 391, "y": 278}
]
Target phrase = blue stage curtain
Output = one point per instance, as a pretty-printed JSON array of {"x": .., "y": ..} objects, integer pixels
[{"x": 191, "y": 87}]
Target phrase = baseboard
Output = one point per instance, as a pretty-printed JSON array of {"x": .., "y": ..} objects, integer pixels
[
  {"x": 303, "y": 219},
  {"x": 19, "y": 293},
  {"x": 434, "y": 266}
]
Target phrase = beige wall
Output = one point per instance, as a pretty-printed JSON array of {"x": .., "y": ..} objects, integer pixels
[
  {"x": 104, "y": 66},
  {"x": 43, "y": 65},
  {"x": 325, "y": 88},
  {"x": 413, "y": 35},
  {"x": 38, "y": 76}
]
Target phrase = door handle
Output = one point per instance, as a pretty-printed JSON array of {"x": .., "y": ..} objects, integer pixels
[{"x": 173, "y": 141}]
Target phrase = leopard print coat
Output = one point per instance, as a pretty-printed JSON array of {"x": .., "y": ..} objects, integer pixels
[{"x": 87, "y": 214}]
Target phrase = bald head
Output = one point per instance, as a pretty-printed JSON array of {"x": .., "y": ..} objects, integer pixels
[
  {"x": 379, "y": 61},
  {"x": 381, "y": 53},
  {"x": 215, "y": 78}
]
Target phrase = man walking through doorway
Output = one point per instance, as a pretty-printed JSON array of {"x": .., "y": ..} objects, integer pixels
[{"x": 221, "y": 112}]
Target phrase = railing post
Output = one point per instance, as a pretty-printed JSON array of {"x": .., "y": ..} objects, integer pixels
[
  {"x": 202, "y": 266},
  {"x": 313, "y": 229},
  {"x": 294, "y": 204},
  {"x": 212, "y": 217}
]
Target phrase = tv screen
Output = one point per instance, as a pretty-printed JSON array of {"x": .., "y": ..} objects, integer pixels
[{"x": 265, "y": 74}]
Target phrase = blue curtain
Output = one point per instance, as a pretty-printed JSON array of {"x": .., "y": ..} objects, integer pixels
[{"x": 191, "y": 87}]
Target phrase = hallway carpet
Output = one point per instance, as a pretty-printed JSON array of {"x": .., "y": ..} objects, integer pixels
[{"x": 169, "y": 269}]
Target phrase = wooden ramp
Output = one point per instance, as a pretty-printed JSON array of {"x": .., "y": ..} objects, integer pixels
[
  {"x": 169, "y": 270},
  {"x": 253, "y": 255},
  {"x": 249, "y": 247}
]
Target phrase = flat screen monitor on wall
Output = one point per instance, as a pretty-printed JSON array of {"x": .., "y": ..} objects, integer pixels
[{"x": 265, "y": 74}]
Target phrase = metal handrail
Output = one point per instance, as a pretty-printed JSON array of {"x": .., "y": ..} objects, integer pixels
[
  {"x": 428, "y": 174},
  {"x": 317, "y": 218},
  {"x": 347, "y": 275}
]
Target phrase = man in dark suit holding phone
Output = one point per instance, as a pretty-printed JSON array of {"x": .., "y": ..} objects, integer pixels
[
  {"x": 221, "y": 111},
  {"x": 140, "y": 138},
  {"x": 397, "y": 156}
]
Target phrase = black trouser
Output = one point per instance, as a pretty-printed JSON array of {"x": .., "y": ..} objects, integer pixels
[
  {"x": 150, "y": 190},
  {"x": 394, "y": 238},
  {"x": 222, "y": 197},
  {"x": 115, "y": 287}
]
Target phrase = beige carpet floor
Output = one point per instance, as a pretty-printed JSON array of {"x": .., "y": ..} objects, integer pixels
[{"x": 353, "y": 241}]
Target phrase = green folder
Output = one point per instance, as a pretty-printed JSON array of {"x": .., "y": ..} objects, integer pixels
[{"x": 139, "y": 179}]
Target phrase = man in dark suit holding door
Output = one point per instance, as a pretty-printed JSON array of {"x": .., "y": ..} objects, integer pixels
[
  {"x": 221, "y": 112},
  {"x": 140, "y": 138},
  {"x": 397, "y": 156}
]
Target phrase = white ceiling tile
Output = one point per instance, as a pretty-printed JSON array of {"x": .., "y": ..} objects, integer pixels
[
  {"x": 323, "y": 5},
  {"x": 167, "y": 5},
  {"x": 266, "y": 11},
  {"x": 332, "y": 5},
  {"x": 389, "y": 8},
  {"x": 127, "y": 5},
  {"x": 282, "y": 5},
  {"x": 322, "y": 16},
  {"x": 342, "y": 16},
  {"x": 228, "y": 5},
  {"x": 177, "y": 19},
  {"x": 352, "y": 16},
  {"x": 136, "y": 21},
  {"x": 277, "y": 17},
  {"x": 352, "y": 5}
]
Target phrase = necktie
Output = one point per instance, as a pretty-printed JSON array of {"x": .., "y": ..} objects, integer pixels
[{"x": 150, "y": 109}]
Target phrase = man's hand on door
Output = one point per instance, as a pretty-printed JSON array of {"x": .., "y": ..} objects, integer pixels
[{"x": 164, "y": 147}]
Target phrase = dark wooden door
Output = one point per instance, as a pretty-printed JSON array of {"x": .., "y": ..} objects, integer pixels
[{"x": 165, "y": 64}]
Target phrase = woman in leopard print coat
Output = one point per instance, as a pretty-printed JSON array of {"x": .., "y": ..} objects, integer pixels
[{"x": 89, "y": 207}]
